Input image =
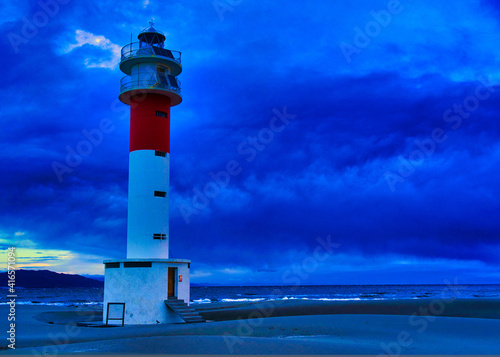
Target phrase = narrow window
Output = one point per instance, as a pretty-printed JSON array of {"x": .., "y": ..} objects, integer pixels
[
  {"x": 160, "y": 193},
  {"x": 161, "y": 114},
  {"x": 137, "y": 265},
  {"x": 160, "y": 153},
  {"x": 160, "y": 236},
  {"x": 112, "y": 265}
]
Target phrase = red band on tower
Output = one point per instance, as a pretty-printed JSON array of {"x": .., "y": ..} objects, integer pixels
[{"x": 149, "y": 131}]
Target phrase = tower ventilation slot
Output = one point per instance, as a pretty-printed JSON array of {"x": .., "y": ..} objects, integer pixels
[
  {"x": 111, "y": 265},
  {"x": 137, "y": 264}
]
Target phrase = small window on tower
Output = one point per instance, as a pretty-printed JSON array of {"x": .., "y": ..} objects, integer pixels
[
  {"x": 160, "y": 236},
  {"x": 161, "y": 114},
  {"x": 160, "y": 153},
  {"x": 160, "y": 193}
]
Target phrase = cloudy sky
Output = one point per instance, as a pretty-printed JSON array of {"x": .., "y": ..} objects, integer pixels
[{"x": 362, "y": 138}]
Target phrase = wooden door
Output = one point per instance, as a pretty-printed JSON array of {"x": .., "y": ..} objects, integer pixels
[{"x": 171, "y": 282}]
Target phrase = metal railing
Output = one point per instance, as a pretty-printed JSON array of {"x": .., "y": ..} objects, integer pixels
[
  {"x": 126, "y": 83},
  {"x": 133, "y": 50}
]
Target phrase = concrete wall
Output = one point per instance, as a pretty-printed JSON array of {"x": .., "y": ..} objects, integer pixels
[{"x": 143, "y": 290}]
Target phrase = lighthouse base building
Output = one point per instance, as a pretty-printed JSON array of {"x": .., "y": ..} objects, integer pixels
[
  {"x": 148, "y": 287},
  {"x": 142, "y": 286}
]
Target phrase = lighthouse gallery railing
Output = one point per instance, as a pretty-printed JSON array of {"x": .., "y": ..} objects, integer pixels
[
  {"x": 133, "y": 50},
  {"x": 156, "y": 81}
]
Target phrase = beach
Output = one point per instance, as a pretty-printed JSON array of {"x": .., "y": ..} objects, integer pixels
[{"x": 299, "y": 327}]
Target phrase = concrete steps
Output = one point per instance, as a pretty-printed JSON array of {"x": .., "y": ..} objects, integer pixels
[{"x": 183, "y": 310}]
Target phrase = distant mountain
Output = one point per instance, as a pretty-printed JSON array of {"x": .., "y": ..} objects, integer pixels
[
  {"x": 95, "y": 277},
  {"x": 50, "y": 279}
]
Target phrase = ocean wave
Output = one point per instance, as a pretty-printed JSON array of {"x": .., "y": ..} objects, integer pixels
[
  {"x": 287, "y": 298},
  {"x": 201, "y": 301},
  {"x": 315, "y": 298},
  {"x": 36, "y": 303},
  {"x": 340, "y": 299},
  {"x": 242, "y": 300},
  {"x": 71, "y": 297}
]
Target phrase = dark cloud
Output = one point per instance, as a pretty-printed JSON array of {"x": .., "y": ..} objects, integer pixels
[{"x": 324, "y": 173}]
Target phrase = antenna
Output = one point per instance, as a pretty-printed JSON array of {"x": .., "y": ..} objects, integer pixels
[{"x": 152, "y": 22}]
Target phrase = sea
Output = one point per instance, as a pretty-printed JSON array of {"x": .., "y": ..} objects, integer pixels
[{"x": 214, "y": 294}]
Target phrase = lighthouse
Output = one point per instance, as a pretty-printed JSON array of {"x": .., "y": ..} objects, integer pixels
[{"x": 137, "y": 289}]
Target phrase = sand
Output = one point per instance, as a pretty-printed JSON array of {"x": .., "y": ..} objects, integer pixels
[{"x": 459, "y": 326}]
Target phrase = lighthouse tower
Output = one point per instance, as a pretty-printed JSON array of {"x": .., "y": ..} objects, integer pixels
[{"x": 135, "y": 289}]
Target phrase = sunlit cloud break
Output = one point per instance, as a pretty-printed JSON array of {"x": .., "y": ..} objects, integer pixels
[{"x": 86, "y": 38}]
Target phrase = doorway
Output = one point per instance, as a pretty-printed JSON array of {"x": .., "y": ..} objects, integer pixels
[{"x": 171, "y": 281}]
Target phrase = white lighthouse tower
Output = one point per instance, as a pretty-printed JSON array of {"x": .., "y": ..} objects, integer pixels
[{"x": 148, "y": 287}]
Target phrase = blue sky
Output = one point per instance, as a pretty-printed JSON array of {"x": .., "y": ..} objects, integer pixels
[{"x": 362, "y": 138}]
